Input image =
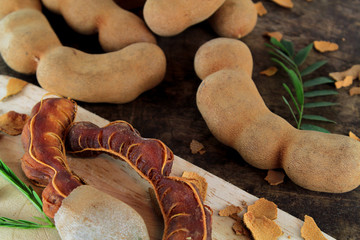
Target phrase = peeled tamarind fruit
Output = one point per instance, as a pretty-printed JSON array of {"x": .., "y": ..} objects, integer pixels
[
  {"x": 88, "y": 213},
  {"x": 236, "y": 114}
]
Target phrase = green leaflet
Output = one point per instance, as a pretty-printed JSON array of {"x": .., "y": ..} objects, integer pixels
[
  {"x": 297, "y": 85},
  {"x": 306, "y": 126},
  {"x": 317, "y": 118},
  {"x": 275, "y": 42},
  {"x": 289, "y": 47},
  {"x": 312, "y": 68},
  {"x": 282, "y": 56},
  {"x": 317, "y": 81},
  {"x": 319, "y": 104},
  {"x": 291, "y": 110},
  {"x": 301, "y": 56},
  {"x": 319, "y": 93}
]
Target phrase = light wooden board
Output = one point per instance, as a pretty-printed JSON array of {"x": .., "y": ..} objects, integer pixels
[{"x": 119, "y": 180}]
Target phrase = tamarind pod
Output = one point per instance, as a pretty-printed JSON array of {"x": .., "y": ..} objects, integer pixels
[
  {"x": 9, "y": 6},
  {"x": 185, "y": 216},
  {"x": 169, "y": 18},
  {"x": 25, "y": 35},
  {"x": 234, "y": 19},
  {"x": 117, "y": 27},
  {"x": 44, "y": 161},
  {"x": 120, "y": 139},
  {"x": 121, "y": 77}
]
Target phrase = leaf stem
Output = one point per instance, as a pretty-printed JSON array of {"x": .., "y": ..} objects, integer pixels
[{"x": 300, "y": 116}]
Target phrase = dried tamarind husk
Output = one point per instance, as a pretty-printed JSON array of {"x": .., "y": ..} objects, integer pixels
[
  {"x": 264, "y": 207},
  {"x": 12, "y": 123},
  {"x": 310, "y": 230},
  {"x": 198, "y": 181},
  {"x": 185, "y": 215},
  {"x": 13, "y": 87},
  {"x": 44, "y": 161}
]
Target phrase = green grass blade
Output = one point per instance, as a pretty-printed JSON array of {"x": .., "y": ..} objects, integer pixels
[
  {"x": 278, "y": 44},
  {"x": 301, "y": 56},
  {"x": 317, "y": 81},
  {"x": 319, "y": 104},
  {"x": 292, "y": 97},
  {"x": 312, "y": 127},
  {"x": 318, "y": 93},
  {"x": 291, "y": 110},
  {"x": 317, "y": 118},
  {"x": 313, "y": 67},
  {"x": 289, "y": 47}
]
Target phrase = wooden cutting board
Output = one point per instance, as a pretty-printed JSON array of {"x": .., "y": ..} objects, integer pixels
[{"x": 117, "y": 179}]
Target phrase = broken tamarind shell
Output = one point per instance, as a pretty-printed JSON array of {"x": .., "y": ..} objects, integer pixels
[
  {"x": 44, "y": 161},
  {"x": 120, "y": 139},
  {"x": 185, "y": 215}
]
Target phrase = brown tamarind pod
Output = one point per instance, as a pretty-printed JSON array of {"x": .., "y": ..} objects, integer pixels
[
  {"x": 44, "y": 161},
  {"x": 185, "y": 216},
  {"x": 147, "y": 156}
]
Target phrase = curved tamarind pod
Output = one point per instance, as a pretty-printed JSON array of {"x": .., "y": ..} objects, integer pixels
[
  {"x": 120, "y": 139},
  {"x": 14, "y": 5},
  {"x": 21, "y": 48},
  {"x": 117, "y": 27},
  {"x": 117, "y": 79},
  {"x": 73, "y": 73},
  {"x": 185, "y": 216},
  {"x": 44, "y": 161}
]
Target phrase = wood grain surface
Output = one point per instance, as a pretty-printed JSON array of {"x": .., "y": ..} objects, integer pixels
[{"x": 169, "y": 111}]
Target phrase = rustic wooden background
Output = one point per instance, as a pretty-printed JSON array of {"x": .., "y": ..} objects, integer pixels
[{"x": 168, "y": 112}]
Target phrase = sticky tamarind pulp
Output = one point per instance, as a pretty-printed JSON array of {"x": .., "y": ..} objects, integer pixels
[
  {"x": 185, "y": 216},
  {"x": 44, "y": 161}
]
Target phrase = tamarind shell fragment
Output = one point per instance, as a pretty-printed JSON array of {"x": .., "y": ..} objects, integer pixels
[
  {"x": 185, "y": 216},
  {"x": 183, "y": 211},
  {"x": 44, "y": 161}
]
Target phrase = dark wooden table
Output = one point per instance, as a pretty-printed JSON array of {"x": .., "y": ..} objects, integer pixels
[{"x": 169, "y": 112}]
